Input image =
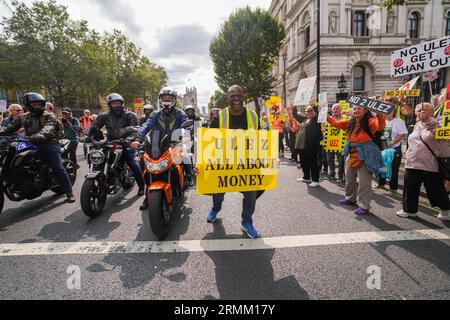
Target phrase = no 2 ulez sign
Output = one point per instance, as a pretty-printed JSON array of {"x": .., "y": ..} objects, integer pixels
[
  {"x": 420, "y": 58},
  {"x": 372, "y": 105}
]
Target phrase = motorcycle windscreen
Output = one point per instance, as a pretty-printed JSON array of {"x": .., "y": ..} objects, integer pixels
[{"x": 155, "y": 141}]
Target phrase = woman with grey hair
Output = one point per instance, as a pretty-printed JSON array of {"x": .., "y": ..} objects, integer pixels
[{"x": 422, "y": 166}]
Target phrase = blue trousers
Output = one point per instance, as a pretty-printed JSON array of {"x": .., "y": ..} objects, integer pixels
[
  {"x": 52, "y": 155},
  {"x": 248, "y": 204},
  {"x": 128, "y": 156}
]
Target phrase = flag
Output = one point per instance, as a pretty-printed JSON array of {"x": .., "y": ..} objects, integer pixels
[{"x": 411, "y": 84}]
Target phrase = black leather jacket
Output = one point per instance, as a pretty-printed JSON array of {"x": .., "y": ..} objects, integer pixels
[
  {"x": 44, "y": 124},
  {"x": 117, "y": 127}
]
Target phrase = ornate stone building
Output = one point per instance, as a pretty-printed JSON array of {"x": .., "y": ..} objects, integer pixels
[
  {"x": 190, "y": 97},
  {"x": 356, "y": 40}
]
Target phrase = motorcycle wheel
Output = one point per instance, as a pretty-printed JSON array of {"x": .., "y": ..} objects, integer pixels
[
  {"x": 71, "y": 172},
  {"x": 129, "y": 179},
  {"x": 159, "y": 216},
  {"x": 92, "y": 198}
]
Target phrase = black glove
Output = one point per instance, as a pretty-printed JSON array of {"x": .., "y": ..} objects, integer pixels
[
  {"x": 38, "y": 138},
  {"x": 88, "y": 139},
  {"x": 123, "y": 133}
]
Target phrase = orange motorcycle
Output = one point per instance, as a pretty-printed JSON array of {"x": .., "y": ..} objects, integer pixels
[{"x": 165, "y": 175}]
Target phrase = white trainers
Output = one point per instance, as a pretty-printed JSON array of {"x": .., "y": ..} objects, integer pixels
[
  {"x": 444, "y": 215},
  {"x": 314, "y": 185},
  {"x": 303, "y": 180},
  {"x": 404, "y": 214}
]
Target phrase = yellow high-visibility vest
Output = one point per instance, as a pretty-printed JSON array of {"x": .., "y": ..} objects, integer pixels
[{"x": 224, "y": 119}]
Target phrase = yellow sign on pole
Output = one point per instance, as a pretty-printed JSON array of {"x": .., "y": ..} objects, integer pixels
[
  {"x": 444, "y": 132},
  {"x": 402, "y": 93},
  {"x": 236, "y": 160}
]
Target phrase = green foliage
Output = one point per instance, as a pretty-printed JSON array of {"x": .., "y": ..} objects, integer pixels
[
  {"x": 388, "y": 4},
  {"x": 218, "y": 100},
  {"x": 245, "y": 50},
  {"x": 41, "y": 47}
]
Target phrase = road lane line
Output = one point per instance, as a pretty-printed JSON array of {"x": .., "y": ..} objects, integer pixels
[{"x": 86, "y": 248}]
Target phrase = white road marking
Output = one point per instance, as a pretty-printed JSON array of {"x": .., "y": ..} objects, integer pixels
[{"x": 82, "y": 248}]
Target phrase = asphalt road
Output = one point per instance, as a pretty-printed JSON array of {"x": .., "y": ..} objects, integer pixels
[{"x": 409, "y": 269}]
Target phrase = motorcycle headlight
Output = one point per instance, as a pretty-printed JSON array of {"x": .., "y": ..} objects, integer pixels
[
  {"x": 159, "y": 166},
  {"x": 97, "y": 157}
]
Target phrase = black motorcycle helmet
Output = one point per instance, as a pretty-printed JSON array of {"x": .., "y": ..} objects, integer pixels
[
  {"x": 116, "y": 97},
  {"x": 32, "y": 97}
]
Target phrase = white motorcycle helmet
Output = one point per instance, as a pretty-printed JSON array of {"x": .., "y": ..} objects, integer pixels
[{"x": 166, "y": 91}]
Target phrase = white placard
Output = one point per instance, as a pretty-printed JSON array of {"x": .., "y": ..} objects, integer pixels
[
  {"x": 323, "y": 102},
  {"x": 305, "y": 91},
  {"x": 3, "y": 105},
  {"x": 420, "y": 58}
]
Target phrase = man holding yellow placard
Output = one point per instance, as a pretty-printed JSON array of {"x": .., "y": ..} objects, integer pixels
[{"x": 234, "y": 156}]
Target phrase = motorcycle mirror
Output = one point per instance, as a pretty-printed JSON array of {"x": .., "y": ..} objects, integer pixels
[{"x": 187, "y": 124}]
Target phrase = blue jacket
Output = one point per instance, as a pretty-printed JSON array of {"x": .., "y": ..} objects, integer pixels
[
  {"x": 157, "y": 119},
  {"x": 369, "y": 153}
]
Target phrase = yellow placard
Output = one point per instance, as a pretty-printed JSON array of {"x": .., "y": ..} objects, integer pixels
[
  {"x": 281, "y": 117},
  {"x": 273, "y": 101},
  {"x": 443, "y": 133},
  {"x": 335, "y": 139},
  {"x": 236, "y": 160},
  {"x": 402, "y": 93}
]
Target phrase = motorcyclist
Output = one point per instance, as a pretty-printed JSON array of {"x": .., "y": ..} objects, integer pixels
[
  {"x": 42, "y": 127},
  {"x": 120, "y": 125},
  {"x": 148, "y": 110},
  {"x": 167, "y": 120},
  {"x": 190, "y": 113}
]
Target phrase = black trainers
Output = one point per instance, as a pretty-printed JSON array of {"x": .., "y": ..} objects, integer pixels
[
  {"x": 141, "y": 192},
  {"x": 70, "y": 197},
  {"x": 144, "y": 205}
]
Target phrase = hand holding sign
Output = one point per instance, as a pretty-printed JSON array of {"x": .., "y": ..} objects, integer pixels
[{"x": 372, "y": 105}]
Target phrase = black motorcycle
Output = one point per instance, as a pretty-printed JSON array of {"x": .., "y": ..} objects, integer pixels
[
  {"x": 24, "y": 174},
  {"x": 108, "y": 174}
]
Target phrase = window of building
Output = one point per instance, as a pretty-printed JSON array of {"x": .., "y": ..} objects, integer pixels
[
  {"x": 414, "y": 25},
  {"x": 307, "y": 37},
  {"x": 447, "y": 24},
  {"x": 359, "y": 24},
  {"x": 19, "y": 96},
  {"x": 3, "y": 95},
  {"x": 358, "y": 79}
]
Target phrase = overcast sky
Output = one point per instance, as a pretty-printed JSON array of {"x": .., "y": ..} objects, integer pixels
[{"x": 172, "y": 33}]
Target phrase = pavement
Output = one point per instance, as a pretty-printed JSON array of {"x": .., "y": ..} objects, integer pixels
[{"x": 312, "y": 248}]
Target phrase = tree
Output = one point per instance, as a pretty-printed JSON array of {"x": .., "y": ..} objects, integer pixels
[
  {"x": 388, "y": 4},
  {"x": 218, "y": 100},
  {"x": 48, "y": 49},
  {"x": 135, "y": 76},
  {"x": 244, "y": 52},
  {"x": 41, "y": 47}
]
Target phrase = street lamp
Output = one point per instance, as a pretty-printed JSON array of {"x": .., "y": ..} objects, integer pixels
[
  {"x": 284, "y": 78},
  {"x": 342, "y": 85}
]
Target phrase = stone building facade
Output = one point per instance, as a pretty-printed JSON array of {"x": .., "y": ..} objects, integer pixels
[{"x": 356, "y": 40}]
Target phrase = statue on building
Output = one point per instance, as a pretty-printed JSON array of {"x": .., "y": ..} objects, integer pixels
[
  {"x": 332, "y": 22},
  {"x": 391, "y": 22}
]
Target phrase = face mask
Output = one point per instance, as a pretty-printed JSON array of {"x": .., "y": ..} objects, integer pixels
[
  {"x": 118, "y": 111},
  {"x": 167, "y": 105},
  {"x": 37, "y": 112}
]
